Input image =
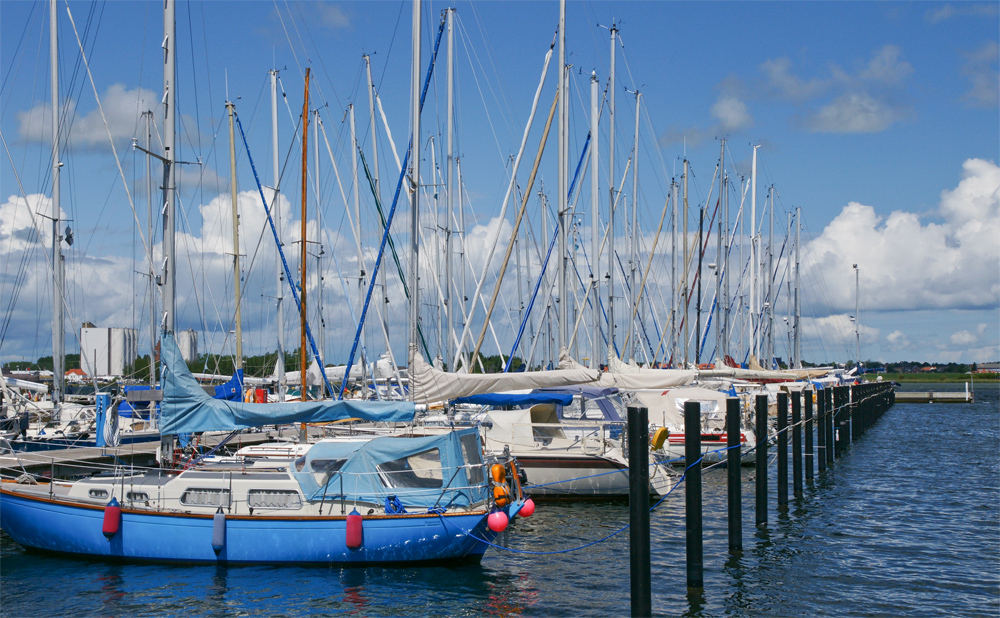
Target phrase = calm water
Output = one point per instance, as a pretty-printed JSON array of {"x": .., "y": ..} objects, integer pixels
[{"x": 906, "y": 524}]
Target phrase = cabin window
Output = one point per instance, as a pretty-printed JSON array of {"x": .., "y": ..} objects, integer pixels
[
  {"x": 137, "y": 496},
  {"x": 575, "y": 410},
  {"x": 474, "y": 457},
  {"x": 205, "y": 497},
  {"x": 421, "y": 470},
  {"x": 274, "y": 499},
  {"x": 98, "y": 493}
]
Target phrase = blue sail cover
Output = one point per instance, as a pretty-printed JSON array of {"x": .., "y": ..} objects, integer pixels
[
  {"x": 517, "y": 399},
  {"x": 187, "y": 408},
  {"x": 422, "y": 472},
  {"x": 231, "y": 390}
]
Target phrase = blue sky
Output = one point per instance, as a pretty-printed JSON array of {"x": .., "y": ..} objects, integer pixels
[{"x": 880, "y": 120}]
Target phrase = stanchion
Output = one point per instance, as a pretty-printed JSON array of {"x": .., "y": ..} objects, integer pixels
[
  {"x": 760, "y": 433},
  {"x": 692, "y": 486},
  {"x": 638, "y": 486},
  {"x": 734, "y": 473},
  {"x": 809, "y": 434},
  {"x": 782, "y": 450},
  {"x": 797, "y": 444}
]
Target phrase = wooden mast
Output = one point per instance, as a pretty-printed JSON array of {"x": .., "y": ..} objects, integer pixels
[{"x": 302, "y": 247}]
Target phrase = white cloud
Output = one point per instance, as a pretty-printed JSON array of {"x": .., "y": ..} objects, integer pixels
[
  {"x": 780, "y": 81},
  {"x": 980, "y": 69},
  {"x": 898, "y": 340},
  {"x": 906, "y": 265},
  {"x": 970, "y": 9},
  {"x": 731, "y": 113},
  {"x": 332, "y": 16},
  {"x": 854, "y": 113},
  {"x": 887, "y": 67},
  {"x": 963, "y": 337},
  {"x": 122, "y": 110}
]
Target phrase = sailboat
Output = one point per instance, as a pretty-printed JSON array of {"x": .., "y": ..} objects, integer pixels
[{"x": 376, "y": 500}]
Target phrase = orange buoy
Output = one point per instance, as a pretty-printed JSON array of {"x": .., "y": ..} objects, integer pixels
[
  {"x": 112, "y": 518},
  {"x": 355, "y": 533}
]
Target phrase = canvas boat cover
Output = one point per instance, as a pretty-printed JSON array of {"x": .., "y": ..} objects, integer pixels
[
  {"x": 631, "y": 377},
  {"x": 187, "y": 408},
  {"x": 422, "y": 473},
  {"x": 430, "y": 385}
]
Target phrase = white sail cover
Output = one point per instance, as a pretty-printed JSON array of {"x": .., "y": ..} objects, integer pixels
[
  {"x": 430, "y": 385},
  {"x": 631, "y": 377},
  {"x": 752, "y": 374}
]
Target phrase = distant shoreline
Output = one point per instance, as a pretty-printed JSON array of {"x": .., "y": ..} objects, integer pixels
[{"x": 939, "y": 378}]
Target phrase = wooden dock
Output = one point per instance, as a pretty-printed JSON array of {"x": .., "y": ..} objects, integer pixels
[{"x": 934, "y": 397}]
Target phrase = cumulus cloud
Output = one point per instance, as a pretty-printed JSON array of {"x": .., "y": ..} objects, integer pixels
[
  {"x": 887, "y": 67},
  {"x": 853, "y": 113},
  {"x": 731, "y": 113},
  {"x": 970, "y": 9},
  {"x": 122, "y": 110},
  {"x": 906, "y": 264},
  {"x": 897, "y": 340},
  {"x": 980, "y": 69},
  {"x": 963, "y": 337},
  {"x": 864, "y": 99}
]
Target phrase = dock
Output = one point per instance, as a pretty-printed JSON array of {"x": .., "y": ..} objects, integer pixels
[{"x": 934, "y": 397}]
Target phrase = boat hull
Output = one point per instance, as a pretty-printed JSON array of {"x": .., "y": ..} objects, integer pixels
[{"x": 53, "y": 525}]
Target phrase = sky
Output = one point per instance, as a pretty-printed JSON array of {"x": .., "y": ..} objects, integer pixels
[{"x": 879, "y": 120}]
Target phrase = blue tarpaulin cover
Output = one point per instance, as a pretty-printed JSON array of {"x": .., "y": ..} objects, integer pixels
[
  {"x": 517, "y": 399},
  {"x": 187, "y": 408},
  {"x": 373, "y": 470}
]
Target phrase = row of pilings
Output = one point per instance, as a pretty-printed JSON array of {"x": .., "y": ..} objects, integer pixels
[{"x": 835, "y": 417}]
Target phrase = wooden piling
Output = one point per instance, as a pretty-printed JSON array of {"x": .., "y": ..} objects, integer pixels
[
  {"x": 810, "y": 466},
  {"x": 797, "y": 444},
  {"x": 782, "y": 450},
  {"x": 760, "y": 431},
  {"x": 821, "y": 425},
  {"x": 692, "y": 503},
  {"x": 734, "y": 474},
  {"x": 831, "y": 442},
  {"x": 638, "y": 480}
]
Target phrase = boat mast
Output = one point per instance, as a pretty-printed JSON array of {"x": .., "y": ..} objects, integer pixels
[
  {"x": 633, "y": 328},
  {"x": 58, "y": 274},
  {"x": 611, "y": 190},
  {"x": 361, "y": 256},
  {"x": 169, "y": 278},
  {"x": 302, "y": 249},
  {"x": 561, "y": 203},
  {"x": 769, "y": 303},
  {"x": 595, "y": 222},
  {"x": 236, "y": 237},
  {"x": 320, "y": 252},
  {"x": 148, "y": 115},
  {"x": 276, "y": 210},
  {"x": 717, "y": 310},
  {"x": 725, "y": 272},
  {"x": 753, "y": 251},
  {"x": 415, "y": 193},
  {"x": 450, "y": 180},
  {"x": 797, "y": 347},
  {"x": 673, "y": 276},
  {"x": 378, "y": 187},
  {"x": 685, "y": 266}
]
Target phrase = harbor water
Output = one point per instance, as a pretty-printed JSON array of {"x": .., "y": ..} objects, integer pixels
[{"x": 907, "y": 523}]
